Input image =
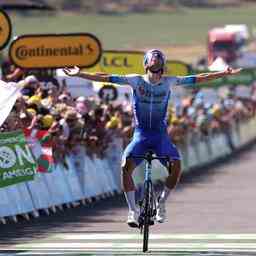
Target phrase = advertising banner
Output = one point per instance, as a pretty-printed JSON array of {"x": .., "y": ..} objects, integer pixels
[
  {"x": 131, "y": 62},
  {"x": 55, "y": 51},
  {"x": 17, "y": 163},
  {"x": 5, "y": 29}
]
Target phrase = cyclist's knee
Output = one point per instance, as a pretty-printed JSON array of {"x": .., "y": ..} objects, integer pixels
[{"x": 128, "y": 166}]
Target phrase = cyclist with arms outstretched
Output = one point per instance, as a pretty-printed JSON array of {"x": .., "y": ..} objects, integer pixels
[{"x": 151, "y": 93}]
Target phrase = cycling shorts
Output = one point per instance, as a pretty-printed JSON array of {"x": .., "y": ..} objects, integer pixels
[{"x": 143, "y": 141}]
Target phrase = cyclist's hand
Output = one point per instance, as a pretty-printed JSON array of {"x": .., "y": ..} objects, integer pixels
[
  {"x": 72, "y": 71},
  {"x": 231, "y": 71}
]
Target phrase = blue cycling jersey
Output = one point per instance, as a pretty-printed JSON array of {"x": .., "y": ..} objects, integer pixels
[{"x": 150, "y": 101}]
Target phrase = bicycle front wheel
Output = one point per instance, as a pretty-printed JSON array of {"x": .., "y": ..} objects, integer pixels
[{"x": 148, "y": 188}]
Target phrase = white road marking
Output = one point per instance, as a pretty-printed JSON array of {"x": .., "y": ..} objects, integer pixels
[
  {"x": 97, "y": 236},
  {"x": 96, "y": 242},
  {"x": 138, "y": 245}
]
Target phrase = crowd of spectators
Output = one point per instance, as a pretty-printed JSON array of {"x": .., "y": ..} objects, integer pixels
[
  {"x": 89, "y": 122},
  {"x": 196, "y": 118}
]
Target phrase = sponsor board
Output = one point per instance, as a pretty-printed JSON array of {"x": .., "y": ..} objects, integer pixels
[
  {"x": 177, "y": 68},
  {"x": 55, "y": 51},
  {"x": 17, "y": 163},
  {"x": 131, "y": 62},
  {"x": 108, "y": 92},
  {"x": 5, "y": 29}
]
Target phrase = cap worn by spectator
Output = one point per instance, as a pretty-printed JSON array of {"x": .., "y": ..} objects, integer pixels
[
  {"x": 81, "y": 99},
  {"x": 31, "y": 80},
  {"x": 47, "y": 121},
  {"x": 35, "y": 99},
  {"x": 175, "y": 121},
  {"x": 113, "y": 123},
  {"x": 31, "y": 111}
]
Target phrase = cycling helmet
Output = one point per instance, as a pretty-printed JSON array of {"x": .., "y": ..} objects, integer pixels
[{"x": 154, "y": 60}]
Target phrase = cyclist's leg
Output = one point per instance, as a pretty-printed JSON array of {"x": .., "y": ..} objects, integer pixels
[
  {"x": 136, "y": 147},
  {"x": 127, "y": 170},
  {"x": 174, "y": 170},
  {"x": 167, "y": 148}
]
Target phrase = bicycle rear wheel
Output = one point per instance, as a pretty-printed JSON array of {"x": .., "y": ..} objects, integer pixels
[{"x": 147, "y": 212}]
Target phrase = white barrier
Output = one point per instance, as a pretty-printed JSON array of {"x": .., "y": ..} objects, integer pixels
[
  {"x": 72, "y": 179},
  {"x": 58, "y": 186},
  {"x": 103, "y": 179},
  {"x": 113, "y": 157},
  {"x": 40, "y": 196},
  {"x": 90, "y": 185},
  {"x": 89, "y": 176},
  {"x": 19, "y": 198},
  {"x": 110, "y": 175},
  {"x": 6, "y": 206}
]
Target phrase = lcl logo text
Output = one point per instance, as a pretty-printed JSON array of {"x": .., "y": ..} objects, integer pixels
[{"x": 116, "y": 62}]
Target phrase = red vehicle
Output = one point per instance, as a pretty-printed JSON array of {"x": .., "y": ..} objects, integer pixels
[{"x": 223, "y": 43}]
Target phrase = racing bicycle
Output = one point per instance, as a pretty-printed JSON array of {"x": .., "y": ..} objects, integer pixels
[{"x": 148, "y": 201}]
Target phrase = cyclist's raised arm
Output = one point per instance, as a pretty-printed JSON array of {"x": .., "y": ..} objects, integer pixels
[
  {"x": 94, "y": 77},
  {"x": 204, "y": 77},
  {"x": 131, "y": 79},
  {"x": 101, "y": 77}
]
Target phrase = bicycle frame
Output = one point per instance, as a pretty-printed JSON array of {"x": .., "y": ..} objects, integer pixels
[
  {"x": 148, "y": 171},
  {"x": 148, "y": 183}
]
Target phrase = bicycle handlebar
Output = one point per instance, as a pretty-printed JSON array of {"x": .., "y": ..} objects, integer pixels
[{"x": 149, "y": 157}]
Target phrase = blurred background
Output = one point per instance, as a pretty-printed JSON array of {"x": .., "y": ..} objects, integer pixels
[{"x": 180, "y": 28}]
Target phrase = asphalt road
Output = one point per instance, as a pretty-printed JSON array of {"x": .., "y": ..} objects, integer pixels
[{"x": 210, "y": 213}]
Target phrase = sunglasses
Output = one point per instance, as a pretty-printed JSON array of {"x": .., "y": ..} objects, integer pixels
[{"x": 156, "y": 71}]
